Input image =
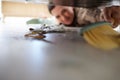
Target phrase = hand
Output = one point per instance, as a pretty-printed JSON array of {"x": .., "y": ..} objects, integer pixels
[{"x": 112, "y": 15}]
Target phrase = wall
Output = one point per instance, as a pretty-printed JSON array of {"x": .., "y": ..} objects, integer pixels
[
  {"x": 0, "y": 10},
  {"x": 24, "y": 9}
]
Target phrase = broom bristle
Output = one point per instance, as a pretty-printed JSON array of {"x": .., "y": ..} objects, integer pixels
[{"x": 101, "y": 35}]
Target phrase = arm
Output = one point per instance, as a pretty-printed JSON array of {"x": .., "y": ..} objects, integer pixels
[{"x": 87, "y": 15}]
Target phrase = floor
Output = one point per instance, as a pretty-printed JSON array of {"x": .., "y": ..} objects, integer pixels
[{"x": 61, "y": 56}]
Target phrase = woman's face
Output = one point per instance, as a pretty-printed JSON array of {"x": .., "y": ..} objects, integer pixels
[{"x": 64, "y": 15}]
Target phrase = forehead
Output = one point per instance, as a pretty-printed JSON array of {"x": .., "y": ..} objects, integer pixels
[{"x": 57, "y": 10}]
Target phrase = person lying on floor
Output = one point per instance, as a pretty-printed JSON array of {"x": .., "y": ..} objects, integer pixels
[{"x": 75, "y": 16}]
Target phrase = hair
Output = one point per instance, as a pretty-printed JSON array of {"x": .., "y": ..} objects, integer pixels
[{"x": 51, "y": 7}]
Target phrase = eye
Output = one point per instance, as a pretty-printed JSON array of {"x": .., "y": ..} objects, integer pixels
[
  {"x": 64, "y": 11},
  {"x": 57, "y": 17}
]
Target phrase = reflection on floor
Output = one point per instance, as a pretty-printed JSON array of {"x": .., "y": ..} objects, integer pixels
[{"x": 57, "y": 57}]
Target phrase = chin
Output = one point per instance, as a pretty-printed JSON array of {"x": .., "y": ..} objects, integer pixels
[{"x": 68, "y": 23}]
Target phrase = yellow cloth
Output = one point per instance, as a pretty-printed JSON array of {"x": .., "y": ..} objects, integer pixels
[{"x": 101, "y": 35}]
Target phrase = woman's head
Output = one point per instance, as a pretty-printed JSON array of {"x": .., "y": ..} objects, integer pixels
[{"x": 63, "y": 14}]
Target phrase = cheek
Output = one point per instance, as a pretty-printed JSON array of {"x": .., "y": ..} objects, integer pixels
[
  {"x": 68, "y": 14},
  {"x": 59, "y": 20}
]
